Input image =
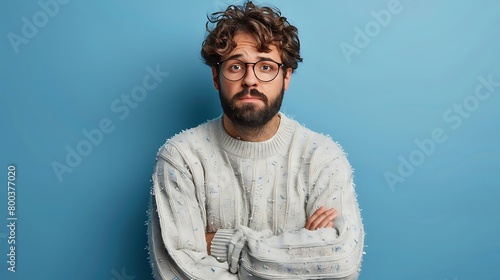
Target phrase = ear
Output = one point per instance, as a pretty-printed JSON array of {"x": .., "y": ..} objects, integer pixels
[
  {"x": 215, "y": 77},
  {"x": 287, "y": 78}
]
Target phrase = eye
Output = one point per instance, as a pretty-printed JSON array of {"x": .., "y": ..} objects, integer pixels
[
  {"x": 234, "y": 66},
  {"x": 266, "y": 67}
]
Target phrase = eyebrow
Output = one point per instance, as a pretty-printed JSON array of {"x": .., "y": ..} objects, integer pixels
[{"x": 237, "y": 56}]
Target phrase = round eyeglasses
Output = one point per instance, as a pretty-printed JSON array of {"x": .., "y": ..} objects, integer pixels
[{"x": 235, "y": 69}]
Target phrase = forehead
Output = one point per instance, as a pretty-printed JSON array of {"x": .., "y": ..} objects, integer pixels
[{"x": 246, "y": 48}]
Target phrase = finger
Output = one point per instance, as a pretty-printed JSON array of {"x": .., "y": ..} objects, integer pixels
[
  {"x": 321, "y": 220},
  {"x": 315, "y": 215},
  {"x": 327, "y": 219},
  {"x": 335, "y": 214},
  {"x": 324, "y": 223}
]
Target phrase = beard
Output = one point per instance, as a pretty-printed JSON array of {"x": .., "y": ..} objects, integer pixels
[{"x": 249, "y": 115}]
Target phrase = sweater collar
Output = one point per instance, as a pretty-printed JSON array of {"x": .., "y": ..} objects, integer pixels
[{"x": 278, "y": 144}]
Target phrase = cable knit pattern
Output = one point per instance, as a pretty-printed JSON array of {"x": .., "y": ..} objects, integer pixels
[{"x": 257, "y": 197}]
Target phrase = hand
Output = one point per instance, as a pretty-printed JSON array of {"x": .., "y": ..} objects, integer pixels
[
  {"x": 208, "y": 237},
  {"x": 322, "y": 218}
]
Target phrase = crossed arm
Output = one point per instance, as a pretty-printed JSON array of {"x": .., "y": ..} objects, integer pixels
[
  {"x": 335, "y": 254},
  {"x": 321, "y": 218}
]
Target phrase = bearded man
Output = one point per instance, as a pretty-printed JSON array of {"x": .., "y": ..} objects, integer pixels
[{"x": 253, "y": 194}]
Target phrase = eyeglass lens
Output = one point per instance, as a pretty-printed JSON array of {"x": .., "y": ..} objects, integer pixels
[{"x": 264, "y": 70}]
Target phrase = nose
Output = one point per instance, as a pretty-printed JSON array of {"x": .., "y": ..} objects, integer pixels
[{"x": 250, "y": 80}]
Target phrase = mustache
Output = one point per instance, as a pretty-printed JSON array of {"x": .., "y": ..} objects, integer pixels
[{"x": 252, "y": 92}]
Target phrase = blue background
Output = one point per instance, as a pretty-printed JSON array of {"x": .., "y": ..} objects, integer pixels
[{"x": 436, "y": 223}]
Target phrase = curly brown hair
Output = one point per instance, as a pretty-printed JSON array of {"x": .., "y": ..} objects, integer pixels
[{"x": 264, "y": 23}]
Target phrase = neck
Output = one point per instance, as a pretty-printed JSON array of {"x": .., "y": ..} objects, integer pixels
[{"x": 252, "y": 134}]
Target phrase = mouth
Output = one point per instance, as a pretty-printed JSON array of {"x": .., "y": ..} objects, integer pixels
[{"x": 250, "y": 98}]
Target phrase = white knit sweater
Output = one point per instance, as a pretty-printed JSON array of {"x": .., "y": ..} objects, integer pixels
[{"x": 257, "y": 197}]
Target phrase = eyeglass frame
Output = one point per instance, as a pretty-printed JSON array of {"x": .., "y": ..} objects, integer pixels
[{"x": 219, "y": 64}]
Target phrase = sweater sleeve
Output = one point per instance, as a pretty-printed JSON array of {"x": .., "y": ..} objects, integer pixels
[
  {"x": 328, "y": 253},
  {"x": 181, "y": 220}
]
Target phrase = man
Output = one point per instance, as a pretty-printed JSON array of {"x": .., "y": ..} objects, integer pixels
[{"x": 253, "y": 194}]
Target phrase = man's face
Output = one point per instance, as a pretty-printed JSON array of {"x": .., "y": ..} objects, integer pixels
[{"x": 250, "y": 102}]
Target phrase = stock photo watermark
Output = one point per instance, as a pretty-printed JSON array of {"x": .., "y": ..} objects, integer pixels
[
  {"x": 121, "y": 108},
  {"x": 121, "y": 276},
  {"x": 31, "y": 25},
  {"x": 11, "y": 218},
  {"x": 364, "y": 35},
  {"x": 454, "y": 118}
]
